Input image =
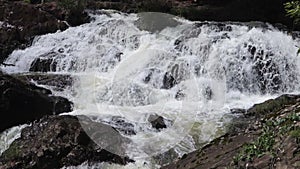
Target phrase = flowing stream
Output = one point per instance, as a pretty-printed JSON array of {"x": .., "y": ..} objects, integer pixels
[{"x": 131, "y": 66}]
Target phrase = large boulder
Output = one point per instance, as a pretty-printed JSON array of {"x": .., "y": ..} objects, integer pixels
[
  {"x": 58, "y": 141},
  {"x": 22, "y": 102}
]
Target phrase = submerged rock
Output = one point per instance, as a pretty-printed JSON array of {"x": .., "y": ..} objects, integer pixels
[
  {"x": 22, "y": 102},
  {"x": 168, "y": 81},
  {"x": 157, "y": 122},
  {"x": 45, "y": 63},
  {"x": 121, "y": 125},
  {"x": 58, "y": 141}
]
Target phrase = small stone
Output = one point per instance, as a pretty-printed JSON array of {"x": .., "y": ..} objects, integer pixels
[{"x": 157, "y": 122}]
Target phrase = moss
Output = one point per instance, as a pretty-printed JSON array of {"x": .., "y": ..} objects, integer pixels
[
  {"x": 274, "y": 127},
  {"x": 295, "y": 133},
  {"x": 272, "y": 105},
  {"x": 12, "y": 152},
  {"x": 261, "y": 146}
]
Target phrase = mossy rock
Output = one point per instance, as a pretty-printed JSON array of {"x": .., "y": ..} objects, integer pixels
[{"x": 272, "y": 105}]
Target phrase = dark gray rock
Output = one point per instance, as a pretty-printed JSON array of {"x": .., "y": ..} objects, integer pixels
[
  {"x": 24, "y": 21},
  {"x": 57, "y": 82},
  {"x": 168, "y": 81},
  {"x": 121, "y": 125},
  {"x": 157, "y": 122},
  {"x": 45, "y": 63},
  {"x": 22, "y": 102},
  {"x": 58, "y": 141}
]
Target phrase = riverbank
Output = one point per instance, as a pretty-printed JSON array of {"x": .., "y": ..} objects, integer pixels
[{"x": 265, "y": 136}]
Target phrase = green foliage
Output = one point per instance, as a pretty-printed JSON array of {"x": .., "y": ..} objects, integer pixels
[
  {"x": 293, "y": 10},
  {"x": 275, "y": 127},
  {"x": 27, "y": 1},
  {"x": 258, "y": 148},
  {"x": 295, "y": 133}
]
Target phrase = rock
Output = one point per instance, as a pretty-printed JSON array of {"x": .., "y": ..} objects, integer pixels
[
  {"x": 57, "y": 82},
  {"x": 262, "y": 162},
  {"x": 23, "y": 21},
  {"x": 150, "y": 22},
  {"x": 179, "y": 95},
  {"x": 57, "y": 141},
  {"x": 121, "y": 125},
  {"x": 272, "y": 105},
  {"x": 168, "y": 81},
  {"x": 206, "y": 10},
  {"x": 157, "y": 122},
  {"x": 22, "y": 102},
  {"x": 22, "y": 24},
  {"x": 208, "y": 93},
  {"x": 272, "y": 126},
  {"x": 237, "y": 111},
  {"x": 45, "y": 63}
]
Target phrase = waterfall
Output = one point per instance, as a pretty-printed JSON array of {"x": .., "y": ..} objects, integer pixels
[{"x": 191, "y": 73}]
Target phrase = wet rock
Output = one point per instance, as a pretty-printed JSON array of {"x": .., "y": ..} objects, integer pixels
[
  {"x": 22, "y": 102},
  {"x": 176, "y": 73},
  {"x": 24, "y": 21},
  {"x": 179, "y": 95},
  {"x": 264, "y": 73},
  {"x": 237, "y": 111},
  {"x": 208, "y": 93},
  {"x": 157, "y": 122},
  {"x": 152, "y": 76},
  {"x": 57, "y": 82},
  {"x": 121, "y": 125},
  {"x": 272, "y": 105},
  {"x": 45, "y": 63},
  {"x": 150, "y": 22},
  {"x": 57, "y": 141},
  {"x": 22, "y": 24},
  {"x": 148, "y": 77},
  {"x": 168, "y": 81}
]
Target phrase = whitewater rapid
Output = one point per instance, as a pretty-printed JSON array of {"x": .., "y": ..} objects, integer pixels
[{"x": 191, "y": 73}]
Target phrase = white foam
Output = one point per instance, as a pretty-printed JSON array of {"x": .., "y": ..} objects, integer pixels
[{"x": 213, "y": 65}]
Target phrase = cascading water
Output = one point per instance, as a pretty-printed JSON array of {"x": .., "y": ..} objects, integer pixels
[{"x": 191, "y": 73}]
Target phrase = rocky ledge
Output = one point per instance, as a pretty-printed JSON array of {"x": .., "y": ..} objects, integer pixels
[
  {"x": 265, "y": 136},
  {"x": 21, "y": 21},
  {"x": 23, "y": 102},
  {"x": 57, "y": 141},
  {"x": 271, "y": 11}
]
